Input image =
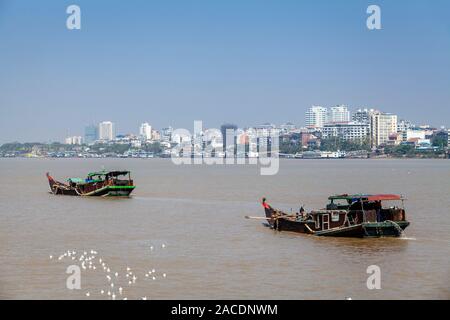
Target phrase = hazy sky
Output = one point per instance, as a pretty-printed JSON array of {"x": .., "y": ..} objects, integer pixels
[{"x": 243, "y": 61}]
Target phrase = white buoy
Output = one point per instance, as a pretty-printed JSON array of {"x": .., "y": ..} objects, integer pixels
[
  {"x": 51, "y": 257},
  {"x": 164, "y": 275},
  {"x": 87, "y": 294},
  {"x": 163, "y": 245},
  {"x": 116, "y": 274}
]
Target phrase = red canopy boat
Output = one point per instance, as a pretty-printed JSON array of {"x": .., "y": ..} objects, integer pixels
[{"x": 359, "y": 215}]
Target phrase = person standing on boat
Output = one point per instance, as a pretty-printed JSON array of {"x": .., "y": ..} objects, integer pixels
[{"x": 301, "y": 213}]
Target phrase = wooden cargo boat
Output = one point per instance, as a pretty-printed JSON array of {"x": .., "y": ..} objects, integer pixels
[
  {"x": 344, "y": 216},
  {"x": 97, "y": 184}
]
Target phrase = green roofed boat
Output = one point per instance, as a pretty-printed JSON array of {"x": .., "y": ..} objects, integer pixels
[
  {"x": 356, "y": 216},
  {"x": 96, "y": 184}
]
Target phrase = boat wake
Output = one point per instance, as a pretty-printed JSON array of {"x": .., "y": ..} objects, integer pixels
[{"x": 407, "y": 238}]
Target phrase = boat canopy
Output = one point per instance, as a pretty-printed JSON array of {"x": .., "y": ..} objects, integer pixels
[
  {"x": 76, "y": 180},
  {"x": 108, "y": 173},
  {"x": 366, "y": 197}
]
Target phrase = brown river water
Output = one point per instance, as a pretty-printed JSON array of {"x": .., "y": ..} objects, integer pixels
[{"x": 187, "y": 223}]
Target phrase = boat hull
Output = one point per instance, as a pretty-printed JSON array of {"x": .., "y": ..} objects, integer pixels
[
  {"x": 111, "y": 191},
  {"x": 367, "y": 230},
  {"x": 293, "y": 226}
]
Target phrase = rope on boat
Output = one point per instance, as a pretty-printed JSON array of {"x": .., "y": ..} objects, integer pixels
[
  {"x": 78, "y": 193},
  {"x": 365, "y": 231},
  {"x": 311, "y": 230},
  {"x": 395, "y": 224}
]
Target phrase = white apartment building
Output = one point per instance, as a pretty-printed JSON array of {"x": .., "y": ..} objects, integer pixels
[
  {"x": 382, "y": 125},
  {"x": 338, "y": 114},
  {"x": 166, "y": 134},
  {"x": 448, "y": 143},
  {"x": 145, "y": 131},
  {"x": 347, "y": 131},
  {"x": 415, "y": 134},
  {"x": 156, "y": 135},
  {"x": 404, "y": 125},
  {"x": 316, "y": 117},
  {"x": 75, "y": 140},
  {"x": 106, "y": 131}
]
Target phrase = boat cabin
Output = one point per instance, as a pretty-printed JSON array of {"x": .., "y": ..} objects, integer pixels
[
  {"x": 115, "y": 177},
  {"x": 101, "y": 179},
  {"x": 348, "y": 210}
]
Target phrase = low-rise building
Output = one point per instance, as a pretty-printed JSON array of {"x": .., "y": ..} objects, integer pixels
[
  {"x": 395, "y": 139},
  {"x": 414, "y": 134}
]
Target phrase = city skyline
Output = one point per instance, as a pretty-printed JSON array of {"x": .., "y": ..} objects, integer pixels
[
  {"x": 88, "y": 131},
  {"x": 336, "y": 114},
  {"x": 241, "y": 62}
]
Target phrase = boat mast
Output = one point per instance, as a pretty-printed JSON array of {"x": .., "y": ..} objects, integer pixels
[{"x": 362, "y": 208}]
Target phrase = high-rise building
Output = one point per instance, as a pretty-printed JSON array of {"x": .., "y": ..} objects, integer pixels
[
  {"x": 145, "y": 131},
  {"x": 362, "y": 116},
  {"x": 166, "y": 134},
  {"x": 231, "y": 129},
  {"x": 90, "y": 134},
  {"x": 382, "y": 125},
  {"x": 338, "y": 114},
  {"x": 316, "y": 117},
  {"x": 106, "y": 131}
]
